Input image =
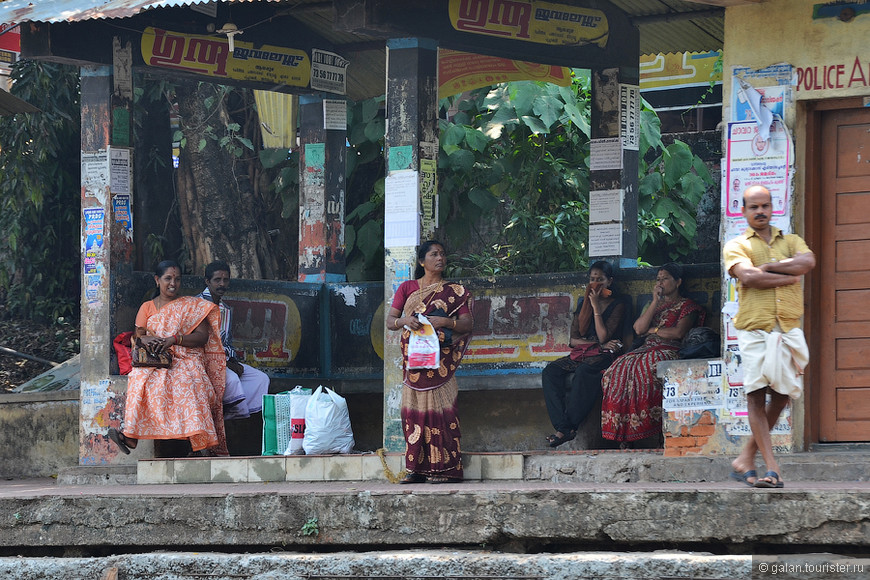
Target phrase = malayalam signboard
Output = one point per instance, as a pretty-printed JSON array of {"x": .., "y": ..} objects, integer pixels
[{"x": 211, "y": 56}]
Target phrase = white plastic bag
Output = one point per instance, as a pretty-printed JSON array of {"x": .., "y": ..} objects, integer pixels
[
  {"x": 327, "y": 424},
  {"x": 423, "y": 347},
  {"x": 299, "y": 398}
]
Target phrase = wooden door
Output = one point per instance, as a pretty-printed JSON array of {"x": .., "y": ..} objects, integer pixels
[{"x": 844, "y": 268}]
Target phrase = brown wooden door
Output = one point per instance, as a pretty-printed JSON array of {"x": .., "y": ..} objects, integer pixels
[{"x": 844, "y": 265}]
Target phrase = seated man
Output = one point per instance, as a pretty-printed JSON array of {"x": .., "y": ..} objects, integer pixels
[{"x": 245, "y": 384}]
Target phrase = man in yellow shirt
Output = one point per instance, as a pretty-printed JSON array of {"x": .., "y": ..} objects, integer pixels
[{"x": 768, "y": 266}]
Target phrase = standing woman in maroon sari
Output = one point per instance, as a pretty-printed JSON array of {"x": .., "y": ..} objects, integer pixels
[{"x": 429, "y": 419}]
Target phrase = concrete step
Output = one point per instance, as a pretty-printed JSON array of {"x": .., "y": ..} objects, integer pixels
[{"x": 611, "y": 466}]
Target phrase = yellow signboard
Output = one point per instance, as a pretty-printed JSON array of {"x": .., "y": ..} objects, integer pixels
[
  {"x": 211, "y": 56},
  {"x": 531, "y": 21},
  {"x": 463, "y": 71},
  {"x": 678, "y": 69}
]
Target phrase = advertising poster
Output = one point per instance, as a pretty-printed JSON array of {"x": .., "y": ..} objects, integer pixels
[
  {"x": 463, "y": 71},
  {"x": 328, "y": 72},
  {"x": 754, "y": 161}
]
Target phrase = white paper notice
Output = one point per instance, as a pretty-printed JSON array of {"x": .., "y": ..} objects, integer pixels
[
  {"x": 605, "y": 206},
  {"x": 629, "y": 116},
  {"x": 119, "y": 170},
  {"x": 334, "y": 115},
  {"x": 401, "y": 212},
  {"x": 95, "y": 174},
  {"x": 605, "y": 154},
  {"x": 605, "y": 240}
]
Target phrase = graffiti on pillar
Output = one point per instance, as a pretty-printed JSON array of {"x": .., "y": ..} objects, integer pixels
[
  {"x": 312, "y": 215},
  {"x": 266, "y": 329}
]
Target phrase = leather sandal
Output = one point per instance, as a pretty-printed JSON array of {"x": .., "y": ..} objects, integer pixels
[{"x": 118, "y": 438}]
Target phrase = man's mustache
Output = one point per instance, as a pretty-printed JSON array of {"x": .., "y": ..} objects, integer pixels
[{"x": 759, "y": 216}]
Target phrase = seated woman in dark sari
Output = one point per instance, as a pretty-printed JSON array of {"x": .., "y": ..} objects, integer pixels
[
  {"x": 631, "y": 407},
  {"x": 429, "y": 419},
  {"x": 595, "y": 341}
]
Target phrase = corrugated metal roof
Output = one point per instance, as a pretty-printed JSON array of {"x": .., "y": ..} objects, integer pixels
[
  {"x": 675, "y": 25},
  {"x": 19, "y": 11},
  {"x": 665, "y": 25}
]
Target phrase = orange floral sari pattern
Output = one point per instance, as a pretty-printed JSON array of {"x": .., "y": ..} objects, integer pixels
[{"x": 184, "y": 401}]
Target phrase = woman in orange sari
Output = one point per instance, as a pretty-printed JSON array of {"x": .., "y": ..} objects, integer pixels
[
  {"x": 429, "y": 418},
  {"x": 185, "y": 400}
]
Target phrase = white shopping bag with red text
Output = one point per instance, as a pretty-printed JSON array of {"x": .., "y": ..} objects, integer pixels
[{"x": 423, "y": 346}]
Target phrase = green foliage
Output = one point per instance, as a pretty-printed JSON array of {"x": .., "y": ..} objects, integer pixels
[
  {"x": 310, "y": 528},
  {"x": 670, "y": 188},
  {"x": 39, "y": 194},
  {"x": 520, "y": 150},
  {"x": 364, "y": 224}
]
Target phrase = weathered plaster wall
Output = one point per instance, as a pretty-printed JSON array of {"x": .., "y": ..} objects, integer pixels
[
  {"x": 784, "y": 31},
  {"x": 39, "y": 433}
]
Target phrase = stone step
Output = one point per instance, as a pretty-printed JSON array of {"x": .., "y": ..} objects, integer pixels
[{"x": 610, "y": 466}]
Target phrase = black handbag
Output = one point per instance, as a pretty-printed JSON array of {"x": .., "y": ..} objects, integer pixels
[
  {"x": 445, "y": 335},
  {"x": 701, "y": 342}
]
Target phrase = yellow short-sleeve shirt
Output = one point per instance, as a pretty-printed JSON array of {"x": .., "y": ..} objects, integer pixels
[{"x": 762, "y": 308}]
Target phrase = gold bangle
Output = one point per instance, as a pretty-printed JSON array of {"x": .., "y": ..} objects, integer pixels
[
  {"x": 395, "y": 324},
  {"x": 454, "y": 323}
]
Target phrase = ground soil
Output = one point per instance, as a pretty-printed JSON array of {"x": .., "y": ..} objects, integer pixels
[{"x": 55, "y": 342}]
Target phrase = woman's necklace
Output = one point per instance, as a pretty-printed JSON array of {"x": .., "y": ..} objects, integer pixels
[{"x": 424, "y": 283}]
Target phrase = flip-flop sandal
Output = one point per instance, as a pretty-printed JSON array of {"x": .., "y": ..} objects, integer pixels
[
  {"x": 761, "y": 482},
  {"x": 412, "y": 477},
  {"x": 744, "y": 477},
  {"x": 118, "y": 438}
]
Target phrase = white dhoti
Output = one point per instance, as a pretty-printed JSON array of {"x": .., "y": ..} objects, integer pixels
[
  {"x": 248, "y": 389},
  {"x": 774, "y": 359}
]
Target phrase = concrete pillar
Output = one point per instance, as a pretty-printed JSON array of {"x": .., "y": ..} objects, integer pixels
[
  {"x": 107, "y": 243},
  {"x": 411, "y": 155},
  {"x": 322, "y": 189},
  {"x": 614, "y": 158}
]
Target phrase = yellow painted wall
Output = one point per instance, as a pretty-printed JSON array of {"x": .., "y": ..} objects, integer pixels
[{"x": 783, "y": 31}]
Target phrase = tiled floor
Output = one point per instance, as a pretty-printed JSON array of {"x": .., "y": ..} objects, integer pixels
[{"x": 491, "y": 466}]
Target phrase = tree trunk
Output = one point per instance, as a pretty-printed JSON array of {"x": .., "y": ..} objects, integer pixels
[{"x": 216, "y": 200}]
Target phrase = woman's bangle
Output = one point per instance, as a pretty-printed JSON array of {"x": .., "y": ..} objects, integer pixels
[
  {"x": 396, "y": 324},
  {"x": 180, "y": 338},
  {"x": 454, "y": 323},
  {"x": 655, "y": 330},
  {"x": 596, "y": 314}
]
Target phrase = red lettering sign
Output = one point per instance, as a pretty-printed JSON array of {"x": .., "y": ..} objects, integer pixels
[{"x": 486, "y": 15}]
